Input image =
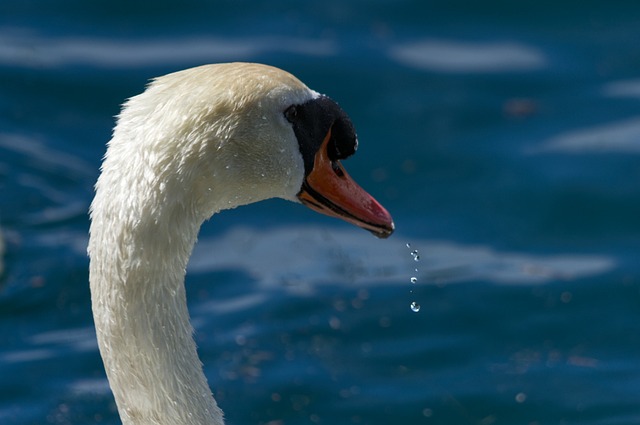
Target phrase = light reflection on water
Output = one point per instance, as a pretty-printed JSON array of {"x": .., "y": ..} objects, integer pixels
[
  {"x": 357, "y": 255},
  {"x": 505, "y": 121},
  {"x": 451, "y": 56},
  {"x": 616, "y": 137},
  {"x": 32, "y": 51},
  {"x": 455, "y": 56}
]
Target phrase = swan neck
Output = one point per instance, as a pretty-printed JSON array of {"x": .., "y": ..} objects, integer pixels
[{"x": 142, "y": 322}]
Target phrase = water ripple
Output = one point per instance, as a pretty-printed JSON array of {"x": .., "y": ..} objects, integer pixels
[
  {"x": 356, "y": 256},
  {"x": 616, "y": 137},
  {"x": 46, "y": 51},
  {"x": 1, "y": 253},
  {"x": 456, "y": 56},
  {"x": 623, "y": 88},
  {"x": 47, "y": 158},
  {"x": 48, "y": 345}
]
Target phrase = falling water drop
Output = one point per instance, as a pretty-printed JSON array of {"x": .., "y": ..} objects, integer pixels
[
  {"x": 415, "y": 307},
  {"x": 415, "y": 255}
]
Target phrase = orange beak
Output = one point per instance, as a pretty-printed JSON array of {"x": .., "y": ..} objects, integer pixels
[{"x": 329, "y": 190}]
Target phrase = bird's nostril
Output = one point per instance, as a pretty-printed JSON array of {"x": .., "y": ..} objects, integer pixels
[{"x": 337, "y": 168}]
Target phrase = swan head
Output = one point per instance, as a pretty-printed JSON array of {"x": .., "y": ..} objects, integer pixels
[
  {"x": 193, "y": 143},
  {"x": 325, "y": 136},
  {"x": 219, "y": 136}
]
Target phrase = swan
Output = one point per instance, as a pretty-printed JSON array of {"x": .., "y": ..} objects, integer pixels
[{"x": 196, "y": 142}]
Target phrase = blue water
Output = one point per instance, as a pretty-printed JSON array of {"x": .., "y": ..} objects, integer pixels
[{"x": 504, "y": 137}]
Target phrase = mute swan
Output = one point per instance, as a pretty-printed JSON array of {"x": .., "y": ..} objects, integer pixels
[{"x": 196, "y": 142}]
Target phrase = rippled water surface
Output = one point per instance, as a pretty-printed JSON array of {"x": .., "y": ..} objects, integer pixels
[{"x": 503, "y": 137}]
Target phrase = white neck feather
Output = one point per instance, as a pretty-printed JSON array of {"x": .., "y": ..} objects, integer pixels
[
  {"x": 181, "y": 151},
  {"x": 143, "y": 327}
]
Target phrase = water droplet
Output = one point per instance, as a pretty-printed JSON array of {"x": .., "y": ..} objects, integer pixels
[{"x": 415, "y": 307}]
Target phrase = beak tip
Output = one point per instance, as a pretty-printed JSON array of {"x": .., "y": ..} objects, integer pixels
[{"x": 383, "y": 232}]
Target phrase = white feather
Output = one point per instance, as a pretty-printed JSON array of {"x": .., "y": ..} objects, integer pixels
[{"x": 194, "y": 143}]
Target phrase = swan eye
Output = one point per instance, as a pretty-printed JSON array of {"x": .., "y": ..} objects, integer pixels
[{"x": 291, "y": 113}]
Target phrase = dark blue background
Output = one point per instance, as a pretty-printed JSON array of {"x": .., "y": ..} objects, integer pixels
[{"x": 504, "y": 137}]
